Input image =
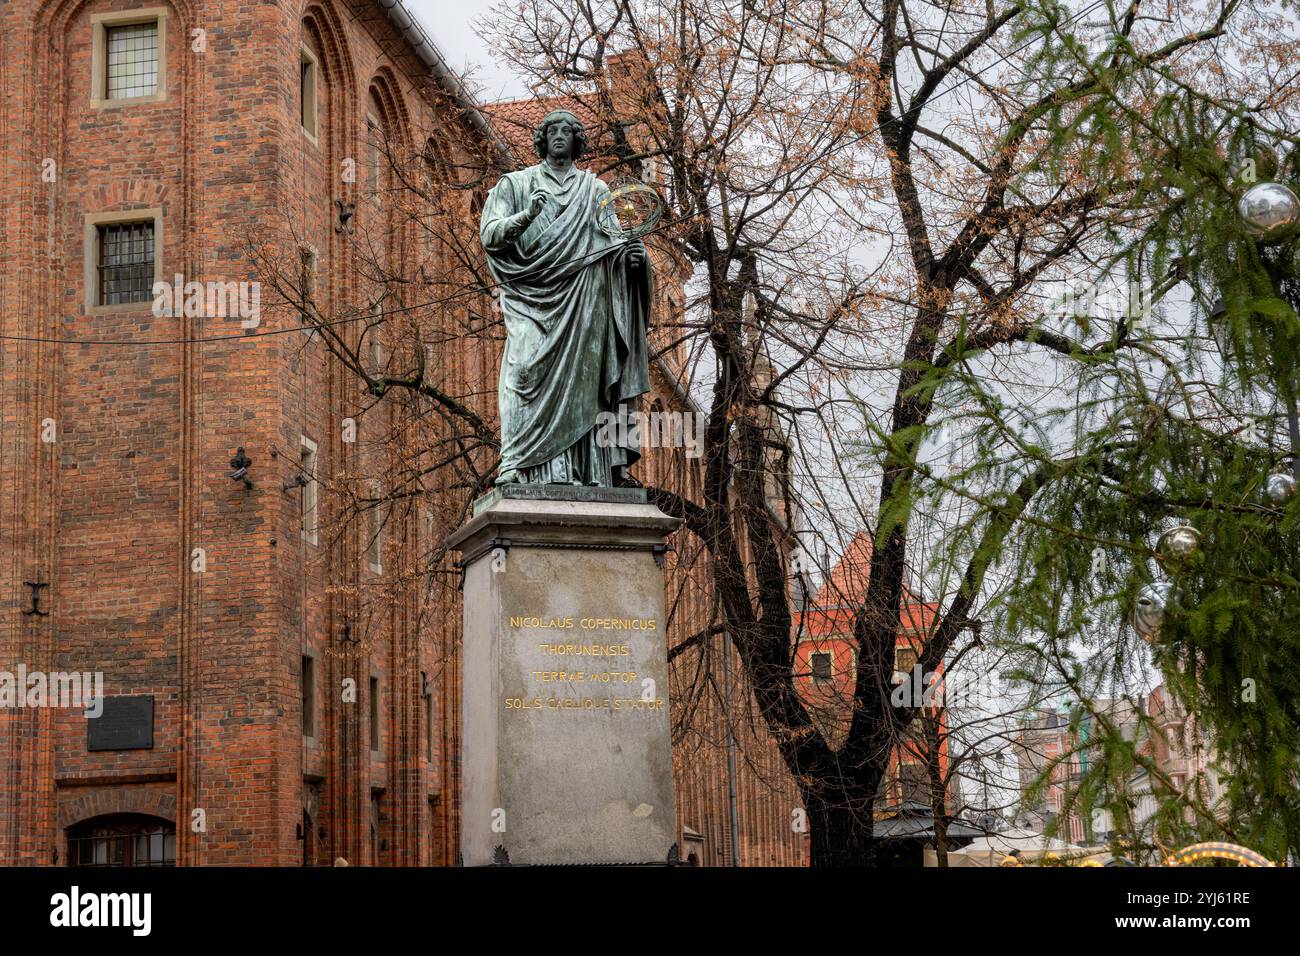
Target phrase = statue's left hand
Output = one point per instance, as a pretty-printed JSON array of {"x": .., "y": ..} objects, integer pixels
[{"x": 636, "y": 255}]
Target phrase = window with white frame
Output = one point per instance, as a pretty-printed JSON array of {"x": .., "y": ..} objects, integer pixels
[
  {"x": 128, "y": 56},
  {"x": 308, "y": 78},
  {"x": 310, "y": 490},
  {"x": 132, "y": 61}
]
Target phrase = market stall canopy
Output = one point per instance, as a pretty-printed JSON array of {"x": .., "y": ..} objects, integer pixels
[{"x": 990, "y": 850}]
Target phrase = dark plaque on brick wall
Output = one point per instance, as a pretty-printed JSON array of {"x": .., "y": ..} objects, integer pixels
[{"x": 125, "y": 724}]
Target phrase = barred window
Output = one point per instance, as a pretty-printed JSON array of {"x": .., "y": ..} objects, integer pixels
[
  {"x": 124, "y": 840},
  {"x": 132, "y": 60},
  {"x": 126, "y": 263}
]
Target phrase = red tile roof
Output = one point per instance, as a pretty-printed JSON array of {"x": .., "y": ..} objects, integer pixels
[
  {"x": 848, "y": 580},
  {"x": 836, "y": 602},
  {"x": 515, "y": 121}
]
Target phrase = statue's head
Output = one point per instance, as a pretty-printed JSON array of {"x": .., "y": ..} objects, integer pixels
[{"x": 560, "y": 130}]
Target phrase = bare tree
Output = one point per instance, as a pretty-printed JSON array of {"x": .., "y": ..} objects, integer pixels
[{"x": 861, "y": 196}]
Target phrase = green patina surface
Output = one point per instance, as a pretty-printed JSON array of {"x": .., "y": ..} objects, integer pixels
[{"x": 576, "y": 303}]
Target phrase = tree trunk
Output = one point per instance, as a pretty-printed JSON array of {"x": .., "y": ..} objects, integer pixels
[
  {"x": 940, "y": 840},
  {"x": 937, "y": 787},
  {"x": 840, "y": 826}
]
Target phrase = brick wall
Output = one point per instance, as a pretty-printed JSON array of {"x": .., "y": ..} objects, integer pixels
[{"x": 110, "y": 513}]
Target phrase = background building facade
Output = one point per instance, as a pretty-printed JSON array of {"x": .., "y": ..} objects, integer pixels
[{"x": 284, "y": 641}]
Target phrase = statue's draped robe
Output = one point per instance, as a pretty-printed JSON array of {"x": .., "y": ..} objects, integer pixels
[{"x": 576, "y": 319}]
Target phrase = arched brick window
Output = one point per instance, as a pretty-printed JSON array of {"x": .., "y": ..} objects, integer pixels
[{"x": 126, "y": 839}]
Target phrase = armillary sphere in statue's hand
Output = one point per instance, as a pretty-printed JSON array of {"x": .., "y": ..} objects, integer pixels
[{"x": 631, "y": 210}]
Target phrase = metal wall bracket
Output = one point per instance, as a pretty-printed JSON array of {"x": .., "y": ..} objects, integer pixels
[
  {"x": 346, "y": 211},
  {"x": 37, "y": 587}
]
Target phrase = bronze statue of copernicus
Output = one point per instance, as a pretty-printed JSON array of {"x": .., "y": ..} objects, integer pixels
[{"x": 576, "y": 304}]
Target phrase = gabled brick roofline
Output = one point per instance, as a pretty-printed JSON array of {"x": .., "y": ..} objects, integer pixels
[{"x": 422, "y": 45}]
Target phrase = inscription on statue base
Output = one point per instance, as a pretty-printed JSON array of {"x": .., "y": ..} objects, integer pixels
[{"x": 566, "y": 750}]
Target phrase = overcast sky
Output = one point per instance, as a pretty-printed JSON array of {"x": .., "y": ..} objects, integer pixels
[{"x": 451, "y": 27}]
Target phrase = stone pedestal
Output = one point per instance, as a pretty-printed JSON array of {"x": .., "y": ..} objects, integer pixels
[{"x": 566, "y": 749}]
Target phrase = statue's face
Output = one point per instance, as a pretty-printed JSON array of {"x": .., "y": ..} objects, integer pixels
[{"x": 560, "y": 141}]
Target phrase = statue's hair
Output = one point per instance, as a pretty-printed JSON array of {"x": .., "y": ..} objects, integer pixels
[{"x": 581, "y": 143}]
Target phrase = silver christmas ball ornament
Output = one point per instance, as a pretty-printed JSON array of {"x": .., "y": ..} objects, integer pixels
[
  {"x": 1279, "y": 488},
  {"x": 1179, "y": 543},
  {"x": 1149, "y": 613},
  {"x": 1270, "y": 211}
]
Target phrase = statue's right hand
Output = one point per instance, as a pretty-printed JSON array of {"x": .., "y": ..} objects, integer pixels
[{"x": 537, "y": 202}]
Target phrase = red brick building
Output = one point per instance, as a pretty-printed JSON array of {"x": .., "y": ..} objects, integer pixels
[
  {"x": 277, "y": 693},
  {"x": 826, "y": 662}
]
